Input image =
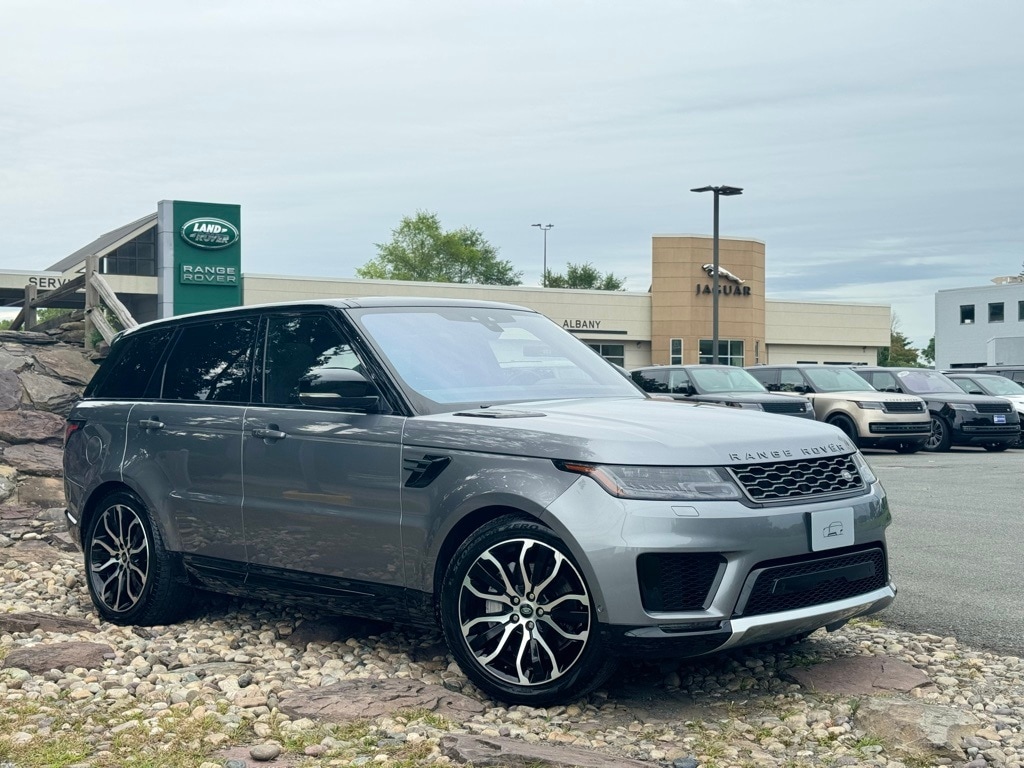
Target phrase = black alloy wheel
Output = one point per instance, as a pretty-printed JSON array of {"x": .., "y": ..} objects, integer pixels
[
  {"x": 519, "y": 617},
  {"x": 128, "y": 570}
]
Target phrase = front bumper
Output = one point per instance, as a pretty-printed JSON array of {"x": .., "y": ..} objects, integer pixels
[
  {"x": 733, "y": 545},
  {"x": 679, "y": 642}
]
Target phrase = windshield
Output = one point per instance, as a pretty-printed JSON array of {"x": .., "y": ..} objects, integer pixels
[
  {"x": 998, "y": 385},
  {"x": 836, "y": 380},
  {"x": 709, "y": 380},
  {"x": 926, "y": 382},
  {"x": 472, "y": 356}
]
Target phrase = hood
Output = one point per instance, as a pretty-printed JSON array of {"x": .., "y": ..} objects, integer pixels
[
  {"x": 744, "y": 397},
  {"x": 869, "y": 396},
  {"x": 963, "y": 397},
  {"x": 620, "y": 431}
]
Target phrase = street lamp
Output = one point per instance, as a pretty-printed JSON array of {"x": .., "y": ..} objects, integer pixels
[
  {"x": 544, "y": 275},
  {"x": 728, "y": 192}
]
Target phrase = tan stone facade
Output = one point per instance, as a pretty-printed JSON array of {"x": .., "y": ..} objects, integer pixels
[{"x": 682, "y": 301}]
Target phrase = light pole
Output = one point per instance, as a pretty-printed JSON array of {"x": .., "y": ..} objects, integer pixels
[
  {"x": 544, "y": 275},
  {"x": 727, "y": 191}
]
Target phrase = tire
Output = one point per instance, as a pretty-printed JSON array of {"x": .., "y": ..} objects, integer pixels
[
  {"x": 996, "y": 447},
  {"x": 518, "y": 644},
  {"x": 908, "y": 448},
  {"x": 940, "y": 438},
  {"x": 848, "y": 428},
  {"x": 128, "y": 570}
]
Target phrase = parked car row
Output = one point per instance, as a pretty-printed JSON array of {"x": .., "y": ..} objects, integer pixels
[{"x": 903, "y": 409}]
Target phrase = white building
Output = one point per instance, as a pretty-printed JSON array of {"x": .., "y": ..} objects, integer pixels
[{"x": 979, "y": 326}]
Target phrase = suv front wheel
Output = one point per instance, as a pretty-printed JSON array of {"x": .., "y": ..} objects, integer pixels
[
  {"x": 519, "y": 618},
  {"x": 940, "y": 437}
]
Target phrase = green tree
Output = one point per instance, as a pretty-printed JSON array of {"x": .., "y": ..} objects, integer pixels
[
  {"x": 421, "y": 250},
  {"x": 584, "y": 276},
  {"x": 928, "y": 353},
  {"x": 899, "y": 353}
]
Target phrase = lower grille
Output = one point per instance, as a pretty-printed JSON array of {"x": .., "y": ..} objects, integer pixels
[
  {"x": 992, "y": 429},
  {"x": 677, "y": 581},
  {"x": 813, "y": 580},
  {"x": 881, "y": 427}
]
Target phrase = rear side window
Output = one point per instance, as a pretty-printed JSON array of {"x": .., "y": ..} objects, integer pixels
[
  {"x": 651, "y": 381},
  {"x": 128, "y": 374},
  {"x": 211, "y": 362}
]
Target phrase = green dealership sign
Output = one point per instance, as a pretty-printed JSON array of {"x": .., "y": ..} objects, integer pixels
[{"x": 203, "y": 241}]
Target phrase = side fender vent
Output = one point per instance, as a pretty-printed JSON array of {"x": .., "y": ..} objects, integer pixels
[{"x": 424, "y": 471}]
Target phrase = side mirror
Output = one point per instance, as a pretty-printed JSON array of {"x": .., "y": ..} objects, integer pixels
[{"x": 340, "y": 388}]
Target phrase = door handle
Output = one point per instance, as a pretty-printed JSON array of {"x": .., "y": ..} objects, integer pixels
[
  {"x": 269, "y": 434},
  {"x": 153, "y": 423}
]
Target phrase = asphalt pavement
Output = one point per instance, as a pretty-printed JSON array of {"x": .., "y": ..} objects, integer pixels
[{"x": 956, "y": 544}]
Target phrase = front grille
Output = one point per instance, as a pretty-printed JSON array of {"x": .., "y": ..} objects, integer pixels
[
  {"x": 993, "y": 407},
  {"x": 824, "y": 476},
  {"x": 899, "y": 429},
  {"x": 907, "y": 407},
  {"x": 783, "y": 407},
  {"x": 677, "y": 581},
  {"x": 813, "y": 580}
]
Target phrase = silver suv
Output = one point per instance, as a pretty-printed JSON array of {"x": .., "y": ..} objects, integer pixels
[{"x": 466, "y": 464}]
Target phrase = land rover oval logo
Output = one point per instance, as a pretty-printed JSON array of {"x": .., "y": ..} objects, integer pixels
[{"x": 209, "y": 233}]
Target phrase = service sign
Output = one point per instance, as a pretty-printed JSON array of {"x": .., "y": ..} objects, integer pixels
[{"x": 209, "y": 233}]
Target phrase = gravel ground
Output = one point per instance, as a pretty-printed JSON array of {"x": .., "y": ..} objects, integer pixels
[{"x": 207, "y": 693}]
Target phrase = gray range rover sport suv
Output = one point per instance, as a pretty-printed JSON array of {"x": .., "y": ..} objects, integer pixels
[{"x": 467, "y": 465}]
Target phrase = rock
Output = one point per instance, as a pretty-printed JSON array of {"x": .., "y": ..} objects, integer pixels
[
  {"x": 35, "y": 459},
  {"x": 42, "y": 658},
  {"x": 11, "y": 391},
  {"x": 66, "y": 363},
  {"x": 48, "y": 394},
  {"x": 264, "y": 752},
  {"x": 27, "y": 622},
  {"x": 362, "y": 699},
  {"x": 860, "y": 675},
  {"x": 41, "y": 491},
  {"x": 27, "y": 426},
  {"x": 500, "y": 752},
  {"x": 26, "y": 337},
  {"x": 921, "y": 731}
]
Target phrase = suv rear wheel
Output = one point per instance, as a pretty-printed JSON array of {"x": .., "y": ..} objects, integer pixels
[
  {"x": 518, "y": 615},
  {"x": 128, "y": 570}
]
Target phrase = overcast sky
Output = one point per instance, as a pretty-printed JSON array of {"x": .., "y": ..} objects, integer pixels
[{"x": 880, "y": 144}]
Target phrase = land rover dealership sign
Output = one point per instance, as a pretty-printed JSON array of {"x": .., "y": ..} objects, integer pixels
[
  {"x": 199, "y": 256},
  {"x": 209, "y": 233}
]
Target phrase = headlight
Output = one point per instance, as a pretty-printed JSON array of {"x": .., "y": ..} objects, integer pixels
[
  {"x": 865, "y": 470},
  {"x": 962, "y": 406},
  {"x": 750, "y": 406},
  {"x": 868, "y": 406},
  {"x": 658, "y": 483}
]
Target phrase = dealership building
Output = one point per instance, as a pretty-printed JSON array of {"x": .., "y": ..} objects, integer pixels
[
  {"x": 187, "y": 257},
  {"x": 983, "y": 325}
]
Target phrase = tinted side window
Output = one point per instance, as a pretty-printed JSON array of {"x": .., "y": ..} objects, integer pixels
[
  {"x": 211, "y": 362},
  {"x": 679, "y": 383},
  {"x": 129, "y": 371},
  {"x": 791, "y": 380},
  {"x": 884, "y": 381},
  {"x": 298, "y": 346},
  {"x": 651, "y": 381},
  {"x": 767, "y": 377}
]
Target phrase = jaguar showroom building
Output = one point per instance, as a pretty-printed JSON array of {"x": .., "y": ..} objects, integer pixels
[{"x": 187, "y": 257}]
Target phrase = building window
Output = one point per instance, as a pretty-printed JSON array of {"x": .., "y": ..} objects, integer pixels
[
  {"x": 136, "y": 257},
  {"x": 730, "y": 352},
  {"x": 995, "y": 312},
  {"x": 966, "y": 314},
  {"x": 675, "y": 350},
  {"x": 613, "y": 353},
  {"x": 1020, "y": 311}
]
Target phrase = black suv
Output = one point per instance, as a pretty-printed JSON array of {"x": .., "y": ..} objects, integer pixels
[
  {"x": 1012, "y": 372},
  {"x": 723, "y": 384},
  {"x": 957, "y": 417}
]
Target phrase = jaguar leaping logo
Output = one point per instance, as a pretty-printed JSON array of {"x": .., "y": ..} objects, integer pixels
[{"x": 722, "y": 272}]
